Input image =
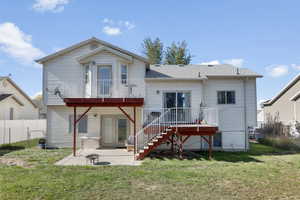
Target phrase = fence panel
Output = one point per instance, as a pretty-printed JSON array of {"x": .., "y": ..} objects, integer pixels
[{"x": 20, "y": 130}]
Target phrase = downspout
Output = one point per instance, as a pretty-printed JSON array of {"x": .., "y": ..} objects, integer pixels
[{"x": 245, "y": 116}]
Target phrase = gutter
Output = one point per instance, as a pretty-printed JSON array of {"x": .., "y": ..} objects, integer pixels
[{"x": 245, "y": 117}]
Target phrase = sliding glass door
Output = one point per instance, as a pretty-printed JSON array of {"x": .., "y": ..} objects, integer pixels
[{"x": 179, "y": 103}]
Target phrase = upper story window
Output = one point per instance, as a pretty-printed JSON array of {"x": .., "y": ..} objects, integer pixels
[
  {"x": 226, "y": 97},
  {"x": 86, "y": 74},
  {"x": 124, "y": 74}
]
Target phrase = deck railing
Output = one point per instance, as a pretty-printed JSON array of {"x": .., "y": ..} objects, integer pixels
[
  {"x": 157, "y": 121},
  {"x": 97, "y": 88}
]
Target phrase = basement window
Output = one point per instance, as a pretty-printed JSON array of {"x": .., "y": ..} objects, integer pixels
[
  {"x": 226, "y": 97},
  {"x": 217, "y": 139}
]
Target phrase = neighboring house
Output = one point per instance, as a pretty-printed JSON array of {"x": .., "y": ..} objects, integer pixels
[
  {"x": 286, "y": 104},
  {"x": 260, "y": 118},
  {"x": 38, "y": 101},
  {"x": 14, "y": 103},
  {"x": 95, "y": 72}
]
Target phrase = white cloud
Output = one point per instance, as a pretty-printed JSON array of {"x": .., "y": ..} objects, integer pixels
[
  {"x": 213, "y": 62},
  {"x": 277, "y": 70},
  {"x": 50, "y": 5},
  {"x": 111, "y": 30},
  {"x": 296, "y": 67},
  {"x": 237, "y": 62},
  {"x": 40, "y": 93},
  {"x": 116, "y": 27},
  {"x": 15, "y": 43}
]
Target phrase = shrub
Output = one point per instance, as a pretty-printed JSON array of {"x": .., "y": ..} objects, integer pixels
[
  {"x": 274, "y": 127},
  {"x": 285, "y": 143}
]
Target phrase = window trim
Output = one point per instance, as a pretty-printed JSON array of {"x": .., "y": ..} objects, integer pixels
[{"x": 226, "y": 94}]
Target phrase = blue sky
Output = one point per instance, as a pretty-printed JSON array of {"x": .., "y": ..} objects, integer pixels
[{"x": 261, "y": 35}]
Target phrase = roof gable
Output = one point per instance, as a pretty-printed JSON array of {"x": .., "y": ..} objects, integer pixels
[
  {"x": 90, "y": 41},
  {"x": 18, "y": 89},
  {"x": 4, "y": 97},
  {"x": 283, "y": 91},
  {"x": 82, "y": 59}
]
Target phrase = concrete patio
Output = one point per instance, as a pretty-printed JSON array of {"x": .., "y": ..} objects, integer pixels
[{"x": 106, "y": 157}]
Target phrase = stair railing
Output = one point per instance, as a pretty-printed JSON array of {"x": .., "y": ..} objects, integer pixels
[
  {"x": 152, "y": 128},
  {"x": 156, "y": 121}
]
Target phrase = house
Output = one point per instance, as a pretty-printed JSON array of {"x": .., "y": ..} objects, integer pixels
[
  {"x": 117, "y": 97},
  {"x": 285, "y": 105},
  {"x": 14, "y": 102},
  {"x": 260, "y": 118}
]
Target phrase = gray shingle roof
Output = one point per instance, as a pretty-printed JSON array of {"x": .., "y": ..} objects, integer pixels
[
  {"x": 197, "y": 71},
  {"x": 4, "y": 96}
]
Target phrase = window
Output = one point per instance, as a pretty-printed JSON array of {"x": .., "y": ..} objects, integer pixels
[
  {"x": 11, "y": 113},
  {"x": 124, "y": 74},
  {"x": 177, "y": 99},
  {"x": 179, "y": 102},
  {"x": 82, "y": 125},
  {"x": 226, "y": 97},
  {"x": 86, "y": 74},
  {"x": 217, "y": 139}
]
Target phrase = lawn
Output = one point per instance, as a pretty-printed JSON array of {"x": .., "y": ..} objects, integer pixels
[{"x": 262, "y": 173}]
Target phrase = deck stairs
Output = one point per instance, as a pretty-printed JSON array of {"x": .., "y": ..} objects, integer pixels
[{"x": 154, "y": 143}]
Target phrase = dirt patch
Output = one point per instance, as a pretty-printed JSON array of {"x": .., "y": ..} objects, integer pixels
[{"x": 14, "y": 162}]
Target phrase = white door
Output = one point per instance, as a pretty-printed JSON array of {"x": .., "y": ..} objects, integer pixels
[{"x": 108, "y": 132}]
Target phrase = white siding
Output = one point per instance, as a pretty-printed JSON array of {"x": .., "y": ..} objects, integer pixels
[
  {"x": 66, "y": 73},
  {"x": 155, "y": 90},
  {"x": 231, "y": 117},
  {"x": 27, "y": 111},
  {"x": 5, "y": 106},
  {"x": 58, "y": 123}
]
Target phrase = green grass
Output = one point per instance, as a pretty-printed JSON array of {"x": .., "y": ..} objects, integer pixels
[{"x": 262, "y": 173}]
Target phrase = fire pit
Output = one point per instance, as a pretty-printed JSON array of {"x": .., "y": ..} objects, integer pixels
[{"x": 92, "y": 158}]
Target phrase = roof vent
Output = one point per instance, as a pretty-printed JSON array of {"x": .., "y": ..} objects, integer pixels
[
  {"x": 210, "y": 65},
  {"x": 157, "y": 65},
  {"x": 199, "y": 74},
  {"x": 181, "y": 65},
  {"x": 237, "y": 71}
]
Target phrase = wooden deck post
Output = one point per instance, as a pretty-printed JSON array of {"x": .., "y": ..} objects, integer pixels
[
  {"x": 134, "y": 130},
  {"x": 74, "y": 132},
  {"x": 210, "y": 147},
  {"x": 180, "y": 147},
  {"x": 172, "y": 143}
]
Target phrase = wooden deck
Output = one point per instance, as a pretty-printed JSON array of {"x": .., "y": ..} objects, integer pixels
[{"x": 182, "y": 133}]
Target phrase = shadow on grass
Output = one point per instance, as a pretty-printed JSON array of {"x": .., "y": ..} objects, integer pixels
[
  {"x": 7, "y": 148},
  {"x": 250, "y": 156},
  {"x": 203, "y": 155}
]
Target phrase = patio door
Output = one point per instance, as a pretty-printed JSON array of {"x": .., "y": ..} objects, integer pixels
[
  {"x": 107, "y": 131},
  {"x": 114, "y": 130},
  {"x": 123, "y": 130},
  {"x": 104, "y": 80},
  {"x": 179, "y": 102}
]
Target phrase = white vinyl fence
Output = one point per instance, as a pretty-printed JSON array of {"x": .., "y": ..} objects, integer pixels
[{"x": 20, "y": 130}]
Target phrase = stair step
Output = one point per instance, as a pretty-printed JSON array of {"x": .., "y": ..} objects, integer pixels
[
  {"x": 146, "y": 147},
  {"x": 150, "y": 144},
  {"x": 155, "y": 140},
  {"x": 159, "y": 137},
  {"x": 141, "y": 151},
  {"x": 168, "y": 129},
  {"x": 164, "y": 133}
]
